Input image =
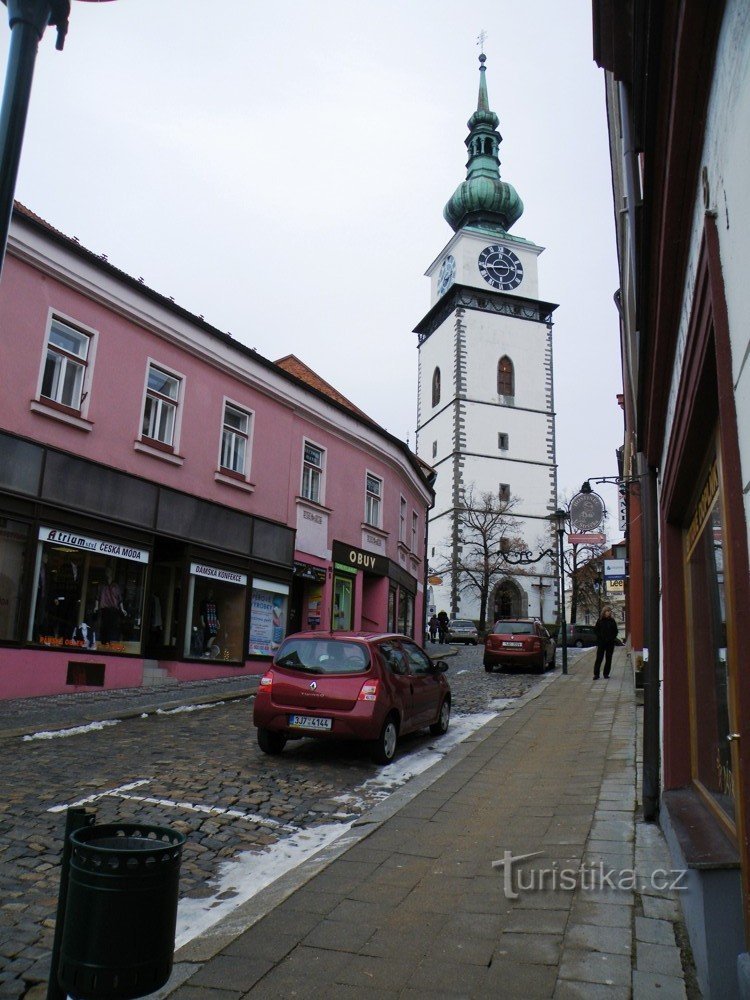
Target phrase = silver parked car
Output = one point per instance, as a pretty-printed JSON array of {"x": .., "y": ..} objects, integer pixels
[{"x": 462, "y": 630}]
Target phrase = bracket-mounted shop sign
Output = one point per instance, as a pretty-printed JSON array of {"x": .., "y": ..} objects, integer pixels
[{"x": 586, "y": 511}]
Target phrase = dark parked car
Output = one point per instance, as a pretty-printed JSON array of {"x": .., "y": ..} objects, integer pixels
[
  {"x": 362, "y": 686},
  {"x": 462, "y": 630},
  {"x": 580, "y": 635},
  {"x": 519, "y": 642}
]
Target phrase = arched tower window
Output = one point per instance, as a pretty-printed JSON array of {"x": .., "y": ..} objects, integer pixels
[
  {"x": 488, "y": 146},
  {"x": 506, "y": 381},
  {"x": 436, "y": 387}
]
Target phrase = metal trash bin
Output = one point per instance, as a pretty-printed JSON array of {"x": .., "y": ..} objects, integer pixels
[{"x": 121, "y": 911}]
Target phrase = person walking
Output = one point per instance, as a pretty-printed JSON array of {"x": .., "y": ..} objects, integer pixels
[
  {"x": 606, "y": 632},
  {"x": 433, "y": 627},
  {"x": 443, "y": 626}
]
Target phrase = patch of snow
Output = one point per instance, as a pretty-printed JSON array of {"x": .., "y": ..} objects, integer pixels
[
  {"x": 187, "y": 708},
  {"x": 75, "y": 731}
]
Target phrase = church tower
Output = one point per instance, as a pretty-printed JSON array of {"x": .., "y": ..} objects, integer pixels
[{"x": 485, "y": 414}]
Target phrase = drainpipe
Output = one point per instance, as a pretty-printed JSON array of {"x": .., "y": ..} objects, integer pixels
[{"x": 651, "y": 626}]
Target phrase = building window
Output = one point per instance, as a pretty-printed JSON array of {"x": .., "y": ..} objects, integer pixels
[
  {"x": 215, "y": 626},
  {"x": 434, "y": 449},
  {"x": 312, "y": 473},
  {"x": 506, "y": 383},
  {"x": 235, "y": 435},
  {"x": 414, "y": 530},
  {"x": 65, "y": 365},
  {"x": 160, "y": 407},
  {"x": 373, "y": 500},
  {"x": 402, "y": 521},
  {"x": 504, "y": 491},
  {"x": 89, "y": 592},
  {"x": 710, "y": 646},
  {"x": 14, "y": 542},
  {"x": 502, "y": 442},
  {"x": 436, "y": 387},
  {"x": 269, "y": 614}
]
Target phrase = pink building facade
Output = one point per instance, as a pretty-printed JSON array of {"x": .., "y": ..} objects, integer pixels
[{"x": 171, "y": 502}]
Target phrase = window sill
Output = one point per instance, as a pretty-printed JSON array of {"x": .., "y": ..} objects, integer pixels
[
  {"x": 702, "y": 841},
  {"x": 44, "y": 410},
  {"x": 240, "y": 484},
  {"x": 304, "y": 502},
  {"x": 165, "y": 456}
]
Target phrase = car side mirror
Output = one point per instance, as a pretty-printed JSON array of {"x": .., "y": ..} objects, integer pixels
[{"x": 438, "y": 667}]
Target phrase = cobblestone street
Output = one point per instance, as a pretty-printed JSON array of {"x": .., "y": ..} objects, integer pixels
[{"x": 199, "y": 772}]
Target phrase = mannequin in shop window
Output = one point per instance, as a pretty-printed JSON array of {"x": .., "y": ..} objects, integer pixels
[
  {"x": 110, "y": 608},
  {"x": 210, "y": 623}
]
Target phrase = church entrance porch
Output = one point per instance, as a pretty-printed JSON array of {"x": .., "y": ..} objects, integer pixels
[{"x": 509, "y": 600}]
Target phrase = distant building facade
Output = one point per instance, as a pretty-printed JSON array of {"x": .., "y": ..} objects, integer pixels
[
  {"x": 678, "y": 100},
  {"x": 485, "y": 406},
  {"x": 171, "y": 502}
]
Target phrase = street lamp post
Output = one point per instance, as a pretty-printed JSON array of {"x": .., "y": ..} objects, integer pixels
[
  {"x": 559, "y": 519},
  {"x": 27, "y": 19}
]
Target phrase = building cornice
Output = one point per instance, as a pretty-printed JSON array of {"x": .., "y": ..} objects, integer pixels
[{"x": 499, "y": 303}]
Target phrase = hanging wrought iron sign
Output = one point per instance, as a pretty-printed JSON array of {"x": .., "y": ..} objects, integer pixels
[{"x": 586, "y": 511}]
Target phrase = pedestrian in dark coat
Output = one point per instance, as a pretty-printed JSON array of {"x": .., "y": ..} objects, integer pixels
[
  {"x": 433, "y": 627},
  {"x": 443, "y": 626},
  {"x": 606, "y": 632}
]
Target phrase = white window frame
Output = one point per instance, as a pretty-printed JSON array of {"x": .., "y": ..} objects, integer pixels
[
  {"x": 49, "y": 405},
  {"x": 153, "y": 442},
  {"x": 414, "y": 531},
  {"x": 247, "y": 436},
  {"x": 373, "y": 501},
  {"x": 403, "y": 509},
  {"x": 312, "y": 469},
  {"x": 503, "y": 492},
  {"x": 503, "y": 441}
]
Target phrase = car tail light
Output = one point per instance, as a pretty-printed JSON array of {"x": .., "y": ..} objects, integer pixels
[
  {"x": 266, "y": 683},
  {"x": 369, "y": 691}
]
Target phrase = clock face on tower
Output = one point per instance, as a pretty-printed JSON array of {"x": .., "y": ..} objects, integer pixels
[
  {"x": 447, "y": 274},
  {"x": 500, "y": 267}
]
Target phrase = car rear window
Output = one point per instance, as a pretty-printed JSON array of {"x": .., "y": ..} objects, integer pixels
[
  {"x": 516, "y": 628},
  {"x": 323, "y": 656},
  {"x": 460, "y": 624}
]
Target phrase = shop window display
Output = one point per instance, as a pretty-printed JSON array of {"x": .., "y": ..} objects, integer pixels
[
  {"x": 269, "y": 608},
  {"x": 89, "y": 593},
  {"x": 14, "y": 537},
  {"x": 712, "y": 705},
  {"x": 216, "y": 611},
  {"x": 405, "y": 612}
]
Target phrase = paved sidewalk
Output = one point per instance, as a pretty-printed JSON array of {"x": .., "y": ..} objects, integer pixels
[{"x": 411, "y": 905}]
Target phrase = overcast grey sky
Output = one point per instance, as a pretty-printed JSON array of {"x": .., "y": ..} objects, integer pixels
[{"x": 282, "y": 168}]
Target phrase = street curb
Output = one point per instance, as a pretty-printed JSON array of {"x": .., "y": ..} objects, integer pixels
[{"x": 192, "y": 955}]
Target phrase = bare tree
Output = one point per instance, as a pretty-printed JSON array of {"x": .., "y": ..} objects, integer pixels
[{"x": 484, "y": 523}]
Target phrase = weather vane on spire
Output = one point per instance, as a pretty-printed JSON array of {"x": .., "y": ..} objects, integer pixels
[{"x": 481, "y": 38}]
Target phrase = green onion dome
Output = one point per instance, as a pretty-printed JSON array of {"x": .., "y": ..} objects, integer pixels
[{"x": 483, "y": 199}]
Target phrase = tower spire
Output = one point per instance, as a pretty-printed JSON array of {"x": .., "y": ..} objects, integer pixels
[{"x": 483, "y": 199}]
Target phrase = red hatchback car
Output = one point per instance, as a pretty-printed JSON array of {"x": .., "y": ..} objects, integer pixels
[
  {"x": 519, "y": 642},
  {"x": 350, "y": 685}
]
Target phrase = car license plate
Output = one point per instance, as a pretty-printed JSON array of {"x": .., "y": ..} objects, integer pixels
[
  {"x": 309, "y": 722},
  {"x": 516, "y": 645}
]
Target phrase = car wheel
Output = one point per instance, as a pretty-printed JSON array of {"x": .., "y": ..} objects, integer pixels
[
  {"x": 384, "y": 747},
  {"x": 473, "y": 642},
  {"x": 440, "y": 727},
  {"x": 488, "y": 666},
  {"x": 270, "y": 742}
]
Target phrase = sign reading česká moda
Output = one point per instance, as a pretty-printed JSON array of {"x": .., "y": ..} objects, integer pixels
[{"x": 586, "y": 511}]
